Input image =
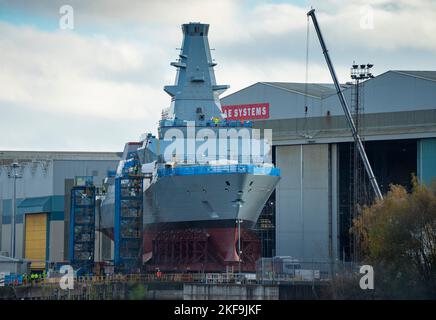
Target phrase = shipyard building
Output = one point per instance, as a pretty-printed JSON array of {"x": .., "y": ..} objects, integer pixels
[
  {"x": 43, "y": 189},
  {"x": 309, "y": 214}
]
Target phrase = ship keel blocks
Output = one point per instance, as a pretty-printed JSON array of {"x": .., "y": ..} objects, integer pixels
[{"x": 196, "y": 250}]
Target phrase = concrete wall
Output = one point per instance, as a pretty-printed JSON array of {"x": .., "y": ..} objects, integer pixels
[
  {"x": 229, "y": 292},
  {"x": 306, "y": 210}
]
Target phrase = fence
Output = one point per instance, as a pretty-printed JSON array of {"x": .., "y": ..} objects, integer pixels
[
  {"x": 279, "y": 269},
  {"x": 268, "y": 271}
]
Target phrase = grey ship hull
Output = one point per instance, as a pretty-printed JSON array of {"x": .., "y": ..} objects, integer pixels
[
  {"x": 208, "y": 201},
  {"x": 204, "y": 201}
]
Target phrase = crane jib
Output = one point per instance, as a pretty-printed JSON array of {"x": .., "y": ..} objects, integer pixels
[{"x": 347, "y": 112}]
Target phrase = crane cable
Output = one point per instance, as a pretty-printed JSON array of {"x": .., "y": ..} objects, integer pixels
[{"x": 306, "y": 79}]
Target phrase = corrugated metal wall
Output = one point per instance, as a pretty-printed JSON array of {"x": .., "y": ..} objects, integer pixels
[
  {"x": 427, "y": 160},
  {"x": 51, "y": 179}
]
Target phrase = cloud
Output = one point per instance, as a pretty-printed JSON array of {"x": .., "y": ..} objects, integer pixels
[
  {"x": 397, "y": 25},
  {"x": 24, "y": 129},
  {"x": 106, "y": 76},
  {"x": 65, "y": 72}
]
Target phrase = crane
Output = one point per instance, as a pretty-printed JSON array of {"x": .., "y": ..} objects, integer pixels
[{"x": 346, "y": 109}]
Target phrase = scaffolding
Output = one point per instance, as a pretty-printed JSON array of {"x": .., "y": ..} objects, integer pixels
[
  {"x": 82, "y": 226},
  {"x": 265, "y": 228},
  {"x": 191, "y": 250},
  {"x": 181, "y": 247},
  {"x": 128, "y": 227}
]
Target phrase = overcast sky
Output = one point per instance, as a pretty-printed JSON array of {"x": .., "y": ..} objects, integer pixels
[{"x": 99, "y": 85}]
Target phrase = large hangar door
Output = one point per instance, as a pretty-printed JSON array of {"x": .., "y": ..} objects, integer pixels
[
  {"x": 305, "y": 216},
  {"x": 393, "y": 162},
  {"x": 36, "y": 240}
]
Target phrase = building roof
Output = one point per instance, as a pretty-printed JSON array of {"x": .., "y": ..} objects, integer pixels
[
  {"x": 323, "y": 90},
  {"x": 426, "y": 75},
  {"x": 5, "y": 259},
  {"x": 318, "y": 90},
  {"x": 8, "y": 156},
  {"x": 38, "y": 204}
]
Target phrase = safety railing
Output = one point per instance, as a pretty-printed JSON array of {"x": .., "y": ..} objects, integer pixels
[
  {"x": 269, "y": 270},
  {"x": 226, "y": 169},
  {"x": 206, "y": 123},
  {"x": 206, "y": 278}
]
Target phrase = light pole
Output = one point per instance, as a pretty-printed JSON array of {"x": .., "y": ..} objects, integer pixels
[
  {"x": 14, "y": 174},
  {"x": 359, "y": 72}
]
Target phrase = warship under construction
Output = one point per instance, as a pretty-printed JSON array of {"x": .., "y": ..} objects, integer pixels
[{"x": 186, "y": 190}]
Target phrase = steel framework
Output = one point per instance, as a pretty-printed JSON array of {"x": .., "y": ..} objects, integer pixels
[
  {"x": 82, "y": 227},
  {"x": 128, "y": 227}
]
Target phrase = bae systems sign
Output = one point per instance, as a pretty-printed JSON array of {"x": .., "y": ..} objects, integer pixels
[{"x": 247, "y": 111}]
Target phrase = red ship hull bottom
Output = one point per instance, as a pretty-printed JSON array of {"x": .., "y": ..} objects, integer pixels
[{"x": 200, "y": 250}]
